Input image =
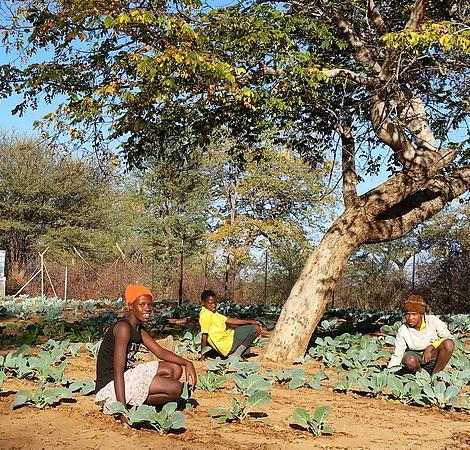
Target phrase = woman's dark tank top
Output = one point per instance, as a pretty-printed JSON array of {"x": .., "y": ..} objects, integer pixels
[{"x": 104, "y": 363}]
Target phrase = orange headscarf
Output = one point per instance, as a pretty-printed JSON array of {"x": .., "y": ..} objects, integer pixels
[{"x": 134, "y": 291}]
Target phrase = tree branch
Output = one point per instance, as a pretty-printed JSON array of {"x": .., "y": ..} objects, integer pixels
[
  {"x": 416, "y": 16},
  {"x": 420, "y": 206},
  {"x": 420, "y": 160},
  {"x": 376, "y": 17},
  {"x": 396, "y": 189},
  {"x": 389, "y": 133},
  {"x": 412, "y": 111},
  {"x": 350, "y": 75},
  {"x": 363, "y": 54},
  {"x": 348, "y": 152}
]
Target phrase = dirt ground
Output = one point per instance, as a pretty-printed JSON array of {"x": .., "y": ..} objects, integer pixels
[{"x": 358, "y": 422}]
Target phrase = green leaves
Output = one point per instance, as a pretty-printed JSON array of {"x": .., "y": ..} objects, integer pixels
[
  {"x": 441, "y": 389},
  {"x": 295, "y": 377},
  {"x": 47, "y": 366},
  {"x": 301, "y": 416},
  {"x": 315, "y": 382},
  {"x": 166, "y": 420},
  {"x": 232, "y": 364},
  {"x": 43, "y": 396},
  {"x": 210, "y": 382},
  {"x": 18, "y": 363},
  {"x": 439, "y": 394},
  {"x": 315, "y": 423},
  {"x": 84, "y": 387},
  {"x": 250, "y": 384},
  {"x": 396, "y": 385},
  {"x": 240, "y": 409},
  {"x": 441, "y": 35},
  {"x": 55, "y": 200},
  {"x": 348, "y": 383},
  {"x": 189, "y": 346},
  {"x": 259, "y": 398},
  {"x": 21, "y": 398},
  {"x": 352, "y": 352},
  {"x": 254, "y": 389}
]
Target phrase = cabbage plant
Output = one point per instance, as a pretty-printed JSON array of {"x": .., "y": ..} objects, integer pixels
[
  {"x": 163, "y": 421},
  {"x": 315, "y": 423}
]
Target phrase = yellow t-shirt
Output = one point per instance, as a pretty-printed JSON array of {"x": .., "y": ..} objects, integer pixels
[
  {"x": 213, "y": 324},
  {"x": 437, "y": 342}
]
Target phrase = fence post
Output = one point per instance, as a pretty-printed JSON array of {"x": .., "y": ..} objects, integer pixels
[
  {"x": 65, "y": 282},
  {"x": 180, "y": 290},
  {"x": 266, "y": 277},
  {"x": 41, "y": 255}
]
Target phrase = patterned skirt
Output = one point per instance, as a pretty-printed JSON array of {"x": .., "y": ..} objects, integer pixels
[{"x": 137, "y": 383}]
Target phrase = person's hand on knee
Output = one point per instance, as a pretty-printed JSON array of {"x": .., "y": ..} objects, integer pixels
[{"x": 427, "y": 354}]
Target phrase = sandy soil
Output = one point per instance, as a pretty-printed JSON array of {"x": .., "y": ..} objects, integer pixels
[{"x": 358, "y": 422}]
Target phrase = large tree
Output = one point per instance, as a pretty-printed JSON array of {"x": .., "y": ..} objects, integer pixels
[{"x": 385, "y": 80}]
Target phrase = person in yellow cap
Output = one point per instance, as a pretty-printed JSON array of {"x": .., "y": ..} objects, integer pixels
[
  {"x": 119, "y": 378},
  {"x": 423, "y": 341}
]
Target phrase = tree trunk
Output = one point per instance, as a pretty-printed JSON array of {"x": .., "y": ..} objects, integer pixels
[{"x": 314, "y": 288}]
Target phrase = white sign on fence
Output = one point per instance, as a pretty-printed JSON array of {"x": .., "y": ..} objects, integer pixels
[
  {"x": 2, "y": 273},
  {"x": 2, "y": 263}
]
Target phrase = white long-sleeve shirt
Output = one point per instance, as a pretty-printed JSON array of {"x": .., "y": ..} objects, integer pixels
[{"x": 409, "y": 338}]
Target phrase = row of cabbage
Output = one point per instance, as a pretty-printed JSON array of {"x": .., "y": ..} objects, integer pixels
[
  {"x": 334, "y": 321},
  {"x": 250, "y": 391},
  {"x": 24, "y": 307},
  {"x": 47, "y": 368},
  {"x": 360, "y": 363},
  {"x": 356, "y": 360}
]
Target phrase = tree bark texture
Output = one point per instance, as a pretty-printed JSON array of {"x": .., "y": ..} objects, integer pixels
[{"x": 313, "y": 290}]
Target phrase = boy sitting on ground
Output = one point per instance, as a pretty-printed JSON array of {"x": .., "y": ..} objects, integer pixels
[
  {"x": 226, "y": 335},
  {"x": 423, "y": 342}
]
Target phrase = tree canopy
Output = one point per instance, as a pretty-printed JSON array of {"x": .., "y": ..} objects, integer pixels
[{"x": 158, "y": 76}]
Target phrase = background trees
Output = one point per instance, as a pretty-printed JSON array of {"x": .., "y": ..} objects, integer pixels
[
  {"x": 432, "y": 260},
  {"x": 443, "y": 275},
  {"x": 172, "y": 217},
  {"x": 272, "y": 200},
  {"x": 51, "y": 200},
  {"x": 153, "y": 223},
  {"x": 374, "y": 278}
]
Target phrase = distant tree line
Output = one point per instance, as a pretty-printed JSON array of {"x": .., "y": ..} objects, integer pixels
[
  {"x": 433, "y": 260},
  {"x": 205, "y": 215}
]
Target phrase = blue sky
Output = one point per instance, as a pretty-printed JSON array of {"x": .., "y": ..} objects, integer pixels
[
  {"x": 21, "y": 125},
  {"x": 9, "y": 122}
]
